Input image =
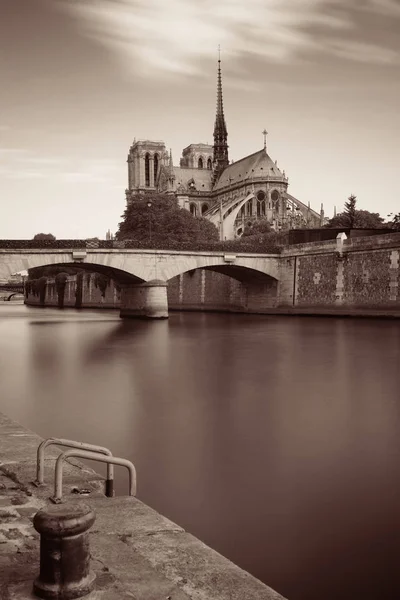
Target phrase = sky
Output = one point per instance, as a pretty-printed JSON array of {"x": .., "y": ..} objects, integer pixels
[{"x": 80, "y": 79}]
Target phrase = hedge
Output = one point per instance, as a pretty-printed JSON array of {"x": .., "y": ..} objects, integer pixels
[
  {"x": 262, "y": 245},
  {"x": 41, "y": 244}
]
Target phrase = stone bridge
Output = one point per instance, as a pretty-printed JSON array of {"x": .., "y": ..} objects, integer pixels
[
  {"x": 13, "y": 288},
  {"x": 144, "y": 274}
]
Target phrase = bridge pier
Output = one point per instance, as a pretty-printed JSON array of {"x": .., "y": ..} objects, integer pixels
[{"x": 145, "y": 300}]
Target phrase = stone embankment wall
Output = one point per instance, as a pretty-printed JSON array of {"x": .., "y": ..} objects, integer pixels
[
  {"x": 135, "y": 552},
  {"x": 354, "y": 274}
]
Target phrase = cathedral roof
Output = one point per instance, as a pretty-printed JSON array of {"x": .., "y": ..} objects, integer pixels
[
  {"x": 255, "y": 165},
  {"x": 200, "y": 177}
]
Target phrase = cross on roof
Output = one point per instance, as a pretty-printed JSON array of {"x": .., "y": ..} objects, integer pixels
[{"x": 265, "y": 133}]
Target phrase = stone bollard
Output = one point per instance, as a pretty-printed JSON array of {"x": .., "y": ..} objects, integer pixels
[{"x": 64, "y": 551}]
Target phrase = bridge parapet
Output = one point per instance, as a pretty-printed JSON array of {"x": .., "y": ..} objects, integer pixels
[{"x": 371, "y": 242}]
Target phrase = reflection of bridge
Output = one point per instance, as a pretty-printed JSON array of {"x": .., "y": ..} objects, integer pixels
[
  {"x": 143, "y": 274},
  {"x": 14, "y": 289}
]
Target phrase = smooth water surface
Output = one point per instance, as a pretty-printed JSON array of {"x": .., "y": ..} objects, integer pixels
[{"x": 275, "y": 440}]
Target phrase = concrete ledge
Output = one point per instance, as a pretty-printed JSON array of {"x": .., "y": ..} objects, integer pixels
[{"x": 136, "y": 552}]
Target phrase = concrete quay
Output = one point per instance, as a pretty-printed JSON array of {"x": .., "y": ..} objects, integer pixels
[{"x": 136, "y": 553}]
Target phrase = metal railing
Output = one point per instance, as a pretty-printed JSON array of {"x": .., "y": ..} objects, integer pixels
[
  {"x": 110, "y": 460},
  {"x": 79, "y": 446}
]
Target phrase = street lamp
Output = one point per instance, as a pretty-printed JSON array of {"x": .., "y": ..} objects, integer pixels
[{"x": 149, "y": 206}]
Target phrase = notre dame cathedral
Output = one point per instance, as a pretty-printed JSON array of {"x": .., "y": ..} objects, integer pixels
[{"x": 229, "y": 194}]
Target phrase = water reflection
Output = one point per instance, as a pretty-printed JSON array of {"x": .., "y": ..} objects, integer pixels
[{"x": 275, "y": 440}]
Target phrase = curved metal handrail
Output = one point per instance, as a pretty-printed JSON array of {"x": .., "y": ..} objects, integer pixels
[
  {"x": 80, "y": 446},
  {"x": 122, "y": 462}
]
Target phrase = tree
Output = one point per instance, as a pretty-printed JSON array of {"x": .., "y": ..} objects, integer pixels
[
  {"x": 256, "y": 228},
  {"x": 157, "y": 220},
  {"x": 350, "y": 210},
  {"x": 362, "y": 219},
  {"x": 395, "y": 222},
  {"x": 44, "y": 236}
]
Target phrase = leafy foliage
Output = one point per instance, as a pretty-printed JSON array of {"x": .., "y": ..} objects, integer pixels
[
  {"x": 352, "y": 218},
  {"x": 363, "y": 219},
  {"x": 350, "y": 210},
  {"x": 395, "y": 222},
  {"x": 44, "y": 236},
  {"x": 157, "y": 220},
  {"x": 256, "y": 228},
  {"x": 28, "y": 244}
]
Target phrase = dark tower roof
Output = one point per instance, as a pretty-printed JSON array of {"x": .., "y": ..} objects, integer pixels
[{"x": 220, "y": 148}]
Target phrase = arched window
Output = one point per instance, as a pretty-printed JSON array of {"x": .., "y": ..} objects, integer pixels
[
  {"x": 250, "y": 208},
  {"x": 204, "y": 208},
  {"x": 200, "y": 163},
  {"x": 155, "y": 168},
  {"x": 147, "y": 170},
  {"x": 275, "y": 196},
  {"x": 209, "y": 164},
  {"x": 261, "y": 204},
  {"x": 193, "y": 209}
]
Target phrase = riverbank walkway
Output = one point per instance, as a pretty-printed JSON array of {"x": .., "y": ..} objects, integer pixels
[{"x": 136, "y": 553}]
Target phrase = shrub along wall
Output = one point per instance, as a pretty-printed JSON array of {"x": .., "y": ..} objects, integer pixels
[{"x": 268, "y": 245}]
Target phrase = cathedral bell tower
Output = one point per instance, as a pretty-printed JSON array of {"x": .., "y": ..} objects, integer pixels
[
  {"x": 145, "y": 160},
  {"x": 220, "y": 148}
]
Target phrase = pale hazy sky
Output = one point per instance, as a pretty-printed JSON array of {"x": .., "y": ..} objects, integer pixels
[{"x": 79, "y": 79}]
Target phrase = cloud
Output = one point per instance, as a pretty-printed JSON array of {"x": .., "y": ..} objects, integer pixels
[
  {"x": 156, "y": 38},
  {"x": 7, "y": 153},
  {"x": 384, "y": 7},
  {"x": 21, "y": 164},
  {"x": 363, "y": 52}
]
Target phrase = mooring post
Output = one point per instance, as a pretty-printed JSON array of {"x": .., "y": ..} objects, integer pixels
[{"x": 64, "y": 552}]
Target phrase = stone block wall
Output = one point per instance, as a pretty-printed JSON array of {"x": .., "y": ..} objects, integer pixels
[
  {"x": 316, "y": 280},
  {"x": 287, "y": 276},
  {"x": 361, "y": 274},
  {"x": 371, "y": 279},
  {"x": 206, "y": 290}
]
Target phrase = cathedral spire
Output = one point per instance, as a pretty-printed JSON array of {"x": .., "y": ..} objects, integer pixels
[{"x": 221, "y": 159}]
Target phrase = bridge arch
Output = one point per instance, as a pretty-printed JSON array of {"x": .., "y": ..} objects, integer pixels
[
  {"x": 109, "y": 271},
  {"x": 223, "y": 287},
  {"x": 245, "y": 275},
  {"x": 8, "y": 299},
  {"x": 241, "y": 267}
]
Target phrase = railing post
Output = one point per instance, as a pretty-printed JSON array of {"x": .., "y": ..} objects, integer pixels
[
  {"x": 58, "y": 478},
  {"x": 64, "y": 552},
  {"x": 109, "y": 490}
]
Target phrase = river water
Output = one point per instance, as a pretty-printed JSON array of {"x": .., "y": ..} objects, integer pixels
[{"x": 275, "y": 440}]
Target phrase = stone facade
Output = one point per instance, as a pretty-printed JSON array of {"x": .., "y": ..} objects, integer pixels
[{"x": 229, "y": 194}]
